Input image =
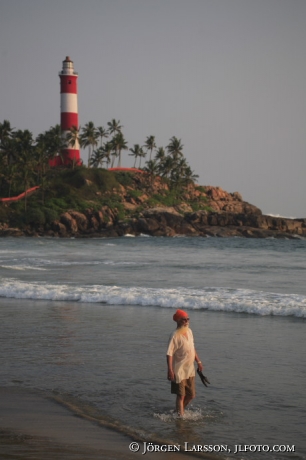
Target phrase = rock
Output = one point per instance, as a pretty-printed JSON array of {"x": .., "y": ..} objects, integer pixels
[
  {"x": 183, "y": 208},
  {"x": 129, "y": 206},
  {"x": 147, "y": 225},
  {"x": 59, "y": 228},
  {"x": 161, "y": 210},
  {"x": 158, "y": 221},
  {"x": 199, "y": 218},
  {"x": 69, "y": 222},
  {"x": 99, "y": 216},
  {"x": 80, "y": 219},
  {"x": 220, "y": 200},
  {"x": 237, "y": 196},
  {"x": 11, "y": 232},
  {"x": 94, "y": 223}
]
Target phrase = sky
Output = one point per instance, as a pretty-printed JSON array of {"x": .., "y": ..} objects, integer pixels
[{"x": 227, "y": 77}]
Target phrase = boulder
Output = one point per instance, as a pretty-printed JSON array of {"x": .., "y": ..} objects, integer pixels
[
  {"x": 59, "y": 228},
  {"x": 80, "y": 219},
  {"x": 69, "y": 222},
  {"x": 159, "y": 221}
]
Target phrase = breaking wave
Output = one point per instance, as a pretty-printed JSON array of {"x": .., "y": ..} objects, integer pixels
[{"x": 209, "y": 298}]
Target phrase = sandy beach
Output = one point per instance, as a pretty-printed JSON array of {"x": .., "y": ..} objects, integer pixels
[{"x": 35, "y": 427}]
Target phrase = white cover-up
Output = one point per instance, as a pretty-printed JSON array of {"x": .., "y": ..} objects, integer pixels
[{"x": 182, "y": 350}]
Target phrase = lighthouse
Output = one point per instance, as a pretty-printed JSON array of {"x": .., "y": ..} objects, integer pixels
[
  {"x": 69, "y": 109},
  {"x": 69, "y": 114}
]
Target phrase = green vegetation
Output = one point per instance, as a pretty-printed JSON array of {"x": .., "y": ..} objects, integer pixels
[{"x": 24, "y": 163}]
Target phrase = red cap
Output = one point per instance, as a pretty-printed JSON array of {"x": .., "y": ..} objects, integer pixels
[{"x": 179, "y": 314}]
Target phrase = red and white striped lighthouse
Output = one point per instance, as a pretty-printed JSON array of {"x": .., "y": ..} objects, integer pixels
[{"x": 69, "y": 109}]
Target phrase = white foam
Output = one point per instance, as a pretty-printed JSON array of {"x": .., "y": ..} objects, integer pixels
[
  {"x": 215, "y": 299},
  {"x": 190, "y": 415},
  {"x": 280, "y": 216},
  {"x": 21, "y": 267},
  {"x": 37, "y": 264},
  {"x": 111, "y": 262}
]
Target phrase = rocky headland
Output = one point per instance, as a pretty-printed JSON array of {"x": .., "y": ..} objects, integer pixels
[{"x": 203, "y": 211}]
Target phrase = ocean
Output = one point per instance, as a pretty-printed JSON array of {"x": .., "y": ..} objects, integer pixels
[{"x": 87, "y": 321}]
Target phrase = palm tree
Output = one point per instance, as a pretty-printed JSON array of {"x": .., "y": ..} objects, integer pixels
[
  {"x": 114, "y": 152},
  {"x": 152, "y": 169},
  {"x": 40, "y": 152},
  {"x": 102, "y": 133},
  {"x": 97, "y": 157},
  {"x": 119, "y": 144},
  {"x": 178, "y": 173},
  {"x": 11, "y": 174},
  {"x": 6, "y": 132},
  {"x": 175, "y": 148},
  {"x": 141, "y": 155},
  {"x": 54, "y": 141},
  {"x": 73, "y": 138},
  {"x": 44, "y": 151},
  {"x": 135, "y": 152},
  {"x": 89, "y": 138},
  {"x": 166, "y": 166},
  {"x": 107, "y": 149},
  {"x": 24, "y": 146},
  {"x": 150, "y": 144},
  {"x": 189, "y": 176},
  {"x": 160, "y": 154},
  {"x": 114, "y": 126}
]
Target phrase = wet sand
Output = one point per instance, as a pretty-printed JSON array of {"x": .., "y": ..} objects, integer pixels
[{"x": 35, "y": 427}]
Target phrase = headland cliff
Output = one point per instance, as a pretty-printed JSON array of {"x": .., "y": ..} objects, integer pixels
[{"x": 137, "y": 204}]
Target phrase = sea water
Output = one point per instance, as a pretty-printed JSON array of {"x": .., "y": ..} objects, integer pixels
[{"x": 87, "y": 321}]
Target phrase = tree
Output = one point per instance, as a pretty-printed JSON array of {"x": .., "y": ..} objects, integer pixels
[
  {"x": 114, "y": 152},
  {"x": 6, "y": 133},
  {"x": 97, "y": 157},
  {"x": 49, "y": 144},
  {"x": 54, "y": 141},
  {"x": 89, "y": 138},
  {"x": 151, "y": 169},
  {"x": 10, "y": 175},
  {"x": 114, "y": 126},
  {"x": 73, "y": 138},
  {"x": 136, "y": 152},
  {"x": 25, "y": 158},
  {"x": 119, "y": 144},
  {"x": 107, "y": 149},
  {"x": 160, "y": 154},
  {"x": 175, "y": 148},
  {"x": 150, "y": 144},
  {"x": 102, "y": 133},
  {"x": 178, "y": 172},
  {"x": 141, "y": 155},
  {"x": 41, "y": 158},
  {"x": 190, "y": 177},
  {"x": 166, "y": 166}
]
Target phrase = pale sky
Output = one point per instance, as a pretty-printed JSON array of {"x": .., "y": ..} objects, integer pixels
[{"x": 227, "y": 77}]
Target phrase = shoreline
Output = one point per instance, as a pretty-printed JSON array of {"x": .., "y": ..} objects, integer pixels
[{"x": 33, "y": 425}]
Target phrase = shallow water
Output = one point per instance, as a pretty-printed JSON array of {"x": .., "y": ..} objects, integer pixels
[{"x": 89, "y": 320}]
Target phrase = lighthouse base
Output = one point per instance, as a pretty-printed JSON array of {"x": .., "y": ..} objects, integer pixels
[{"x": 69, "y": 157}]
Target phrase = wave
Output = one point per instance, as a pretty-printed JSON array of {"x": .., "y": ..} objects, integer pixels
[
  {"x": 281, "y": 216},
  {"x": 210, "y": 298},
  {"x": 21, "y": 267},
  {"x": 38, "y": 264}
]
